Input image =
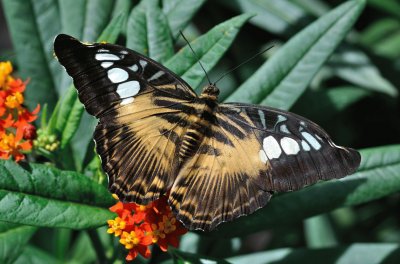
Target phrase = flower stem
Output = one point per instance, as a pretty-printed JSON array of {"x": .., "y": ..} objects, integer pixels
[{"x": 98, "y": 246}]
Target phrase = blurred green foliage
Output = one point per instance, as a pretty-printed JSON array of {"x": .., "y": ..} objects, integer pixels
[{"x": 334, "y": 62}]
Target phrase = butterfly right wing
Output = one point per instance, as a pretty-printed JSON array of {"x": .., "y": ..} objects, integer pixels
[{"x": 141, "y": 109}]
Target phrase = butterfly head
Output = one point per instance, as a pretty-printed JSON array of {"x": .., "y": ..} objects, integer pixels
[{"x": 211, "y": 92}]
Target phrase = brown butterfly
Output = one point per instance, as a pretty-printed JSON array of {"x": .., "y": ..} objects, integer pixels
[{"x": 219, "y": 161}]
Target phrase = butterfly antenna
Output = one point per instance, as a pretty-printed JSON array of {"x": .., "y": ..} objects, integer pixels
[
  {"x": 201, "y": 65},
  {"x": 246, "y": 61}
]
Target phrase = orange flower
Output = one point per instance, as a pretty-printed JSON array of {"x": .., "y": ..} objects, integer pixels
[
  {"x": 142, "y": 225},
  {"x": 16, "y": 132},
  {"x": 137, "y": 242},
  {"x": 11, "y": 145}
]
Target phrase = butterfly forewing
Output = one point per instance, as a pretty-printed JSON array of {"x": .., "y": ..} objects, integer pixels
[
  {"x": 133, "y": 97},
  {"x": 218, "y": 161}
]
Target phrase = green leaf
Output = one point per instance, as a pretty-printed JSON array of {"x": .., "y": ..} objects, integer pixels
[
  {"x": 40, "y": 195},
  {"x": 319, "y": 232},
  {"x": 13, "y": 238},
  {"x": 355, "y": 253},
  {"x": 389, "y": 6},
  {"x": 184, "y": 257},
  {"x": 113, "y": 29},
  {"x": 33, "y": 255},
  {"x": 381, "y": 29},
  {"x": 82, "y": 250},
  {"x": 98, "y": 14},
  {"x": 72, "y": 15},
  {"x": 209, "y": 48},
  {"x": 278, "y": 17},
  {"x": 355, "y": 67},
  {"x": 31, "y": 56},
  {"x": 122, "y": 6},
  {"x": 378, "y": 176},
  {"x": 179, "y": 13},
  {"x": 286, "y": 75},
  {"x": 324, "y": 104},
  {"x": 48, "y": 24},
  {"x": 148, "y": 32}
]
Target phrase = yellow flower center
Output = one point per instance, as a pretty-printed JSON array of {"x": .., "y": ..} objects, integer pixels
[
  {"x": 15, "y": 100},
  {"x": 129, "y": 240},
  {"x": 116, "y": 226},
  {"x": 158, "y": 232},
  {"x": 7, "y": 142},
  {"x": 5, "y": 70},
  {"x": 169, "y": 224}
]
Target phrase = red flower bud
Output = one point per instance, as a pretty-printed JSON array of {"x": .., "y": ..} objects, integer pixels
[{"x": 29, "y": 132}]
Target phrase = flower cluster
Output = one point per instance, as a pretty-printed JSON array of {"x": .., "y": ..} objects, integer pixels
[
  {"x": 16, "y": 130},
  {"x": 140, "y": 226}
]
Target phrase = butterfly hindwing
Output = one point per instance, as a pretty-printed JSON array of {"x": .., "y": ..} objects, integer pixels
[
  {"x": 254, "y": 151},
  {"x": 139, "y": 105},
  {"x": 297, "y": 150}
]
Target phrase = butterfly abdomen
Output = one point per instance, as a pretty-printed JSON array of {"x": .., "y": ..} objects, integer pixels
[{"x": 190, "y": 141}]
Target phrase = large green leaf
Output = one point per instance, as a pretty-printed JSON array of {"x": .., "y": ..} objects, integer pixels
[
  {"x": 179, "y": 13},
  {"x": 356, "y": 253},
  {"x": 209, "y": 48},
  {"x": 40, "y": 195},
  {"x": 25, "y": 30},
  {"x": 284, "y": 77},
  {"x": 13, "y": 238},
  {"x": 378, "y": 176},
  {"x": 148, "y": 32}
]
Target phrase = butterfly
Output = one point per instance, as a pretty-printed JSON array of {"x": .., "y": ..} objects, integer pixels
[{"x": 217, "y": 161}]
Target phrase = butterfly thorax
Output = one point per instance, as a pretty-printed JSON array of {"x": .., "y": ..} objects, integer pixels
[{"x": 210, "y": 92}]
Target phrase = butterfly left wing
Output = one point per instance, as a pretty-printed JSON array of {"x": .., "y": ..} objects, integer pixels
[
  {"x": 249, "y": 153},
  {"x": 139, "y": 104}
]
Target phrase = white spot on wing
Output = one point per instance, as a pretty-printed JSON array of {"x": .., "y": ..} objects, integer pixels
[
  {"x": 106, "y": 64},
  {"x": 263, "y": 156},
  {"x": 271, "y": 147},
  {"x": 305, "y": 146},
  {"x": 310, "y": 139},
  {"x": 156, "y": 76},
  {"x": 127, "y": 100},
  {"x": 262, "y": 118},
  {"x": 290, "y": 146},
  {"x": 134, "y": 67},
  {"x": 124, "y": 52},
  {"x": 143, "y": 63},
  {"x": 281, "y": 118},
  {"x": 128, "y": 89},
  {"x": 103, "y": 50},
  {"x": 117, "y": 75},
  {"x": 106, "y": 57},
  {"x": 284, "y": 129}
]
